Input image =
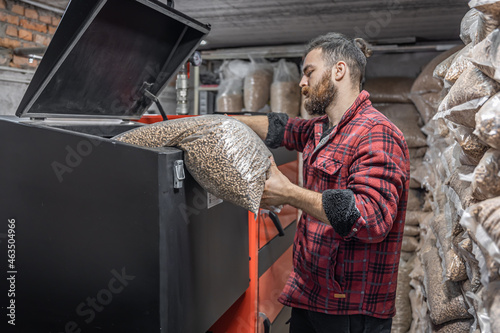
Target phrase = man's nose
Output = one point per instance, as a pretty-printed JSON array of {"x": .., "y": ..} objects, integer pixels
[{"x": 303, "y": 81}]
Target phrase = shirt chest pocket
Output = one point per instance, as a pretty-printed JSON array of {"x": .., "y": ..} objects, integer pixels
[{"x": 327, "y": 173}]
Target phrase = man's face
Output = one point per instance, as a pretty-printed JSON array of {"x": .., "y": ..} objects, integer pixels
[{"x": 317, "y": 85}]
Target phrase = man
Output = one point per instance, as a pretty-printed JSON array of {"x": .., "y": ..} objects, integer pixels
[{"x": 356, "y": 178}]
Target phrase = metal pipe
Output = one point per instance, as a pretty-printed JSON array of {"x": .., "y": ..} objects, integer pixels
[{"x": 44, "y": 6}]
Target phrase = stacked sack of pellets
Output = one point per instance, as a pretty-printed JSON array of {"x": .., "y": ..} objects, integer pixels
[
  {"x": 285, "y": 89},
  {"x": 391, "y": 96},
  {"x": 230, "y": 91},
  {"x": 222, "y": 154},
  {"x": 459, "y": 256}
]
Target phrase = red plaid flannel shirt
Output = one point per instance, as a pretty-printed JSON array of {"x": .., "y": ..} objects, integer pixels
[{"x": 355, "y": 274}]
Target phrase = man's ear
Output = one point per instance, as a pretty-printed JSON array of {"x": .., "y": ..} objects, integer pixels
[{"x": 339, "y": 71}]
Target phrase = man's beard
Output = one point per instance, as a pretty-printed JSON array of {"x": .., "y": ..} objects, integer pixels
[{"x": 320, "y": 96}]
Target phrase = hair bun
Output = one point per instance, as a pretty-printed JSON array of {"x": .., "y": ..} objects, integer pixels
[{"x": 363, "y": 46}]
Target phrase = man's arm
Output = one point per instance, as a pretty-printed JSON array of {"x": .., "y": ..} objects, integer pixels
[
  {"x": 259, "y": 124},
  {"x": 280, "y": 191}
]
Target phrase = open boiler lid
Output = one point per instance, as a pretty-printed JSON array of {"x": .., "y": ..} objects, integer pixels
[{"x": 105, "y": 54}]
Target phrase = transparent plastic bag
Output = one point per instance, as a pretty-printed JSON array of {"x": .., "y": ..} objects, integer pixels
[
  {"x": 469, "y": 26},
  {"x": 224, "y": 155},
  {"x": 230, "y": 96},
  {"x": 427, "y": 104},
  {"x": 415, "y": 217},
  {"x": 410, "y": 244},
  {"x": 426, "y": 82},
  {"x": 470, "y": 144},
  {"x": 486, "y": 180},
  {"x": 482, "y": 221},
  {"x": 459, "y": 65},
  {"x": 285, "y": 89},
  {"x": 443, "y": 67},
  {"x": 466, "y": 96},
  {"x": 417, "y": 173},
  {"x": 445, "y": 300},
  {"x": 257, "y": 85},
  {"x": 492, "y": 304},
  {"x": 401, "y": 322},
  {"x": 488, "y": 122},
  {"x": 230, "y": 92},
  {"x": 486, "y": 55},
  {"x": 491, "y": 7}
]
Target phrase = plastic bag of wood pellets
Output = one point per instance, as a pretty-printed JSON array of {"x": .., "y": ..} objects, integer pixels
[
  {"x": 486, "y": 179},
  {"x": 389, "y": 89},
  {"x": 456, "y": 326},
  {"x": 230, "y": 91},
  {"x": 418, "y": 172},
  {"x": 471, "y": 145},
  {"x": 415, "y": 217},
  {"x": 426, "y": 82},
  {"x": 486, "y": 55},
  {"x": 410, "y": 244},
  {"x": 401, "y": 322},
  {"x": 476, "y": 26},
  {"x": 445, "y": 300},
  {"x": 285, "y": 89},
  {"x": 488, "y": 122},
  {"x": 408, "y": 120},
  {"x": 411, "y": 230},
  {"x": 462, "y": 187},
  {"x": 464, "y": 249},
  {"x": 482, "y": 315},
  {"x": 443, "y": 67},
  {"x": 427, "y": 104},
  {"x": 466, "y": 96},
  {"x": 230, "y": 96},
  {"x": 482, "y": 221},
  {"x": 257, "y": 85},
  {"x": 224, "y": 155},
  {"x": 459, "y": 65},
  {"x": 491, "y": 7},
  {"x": 492, "y": 304},
  {"x": 453, "y": 268},
  {"x": 469, "y": 26}
]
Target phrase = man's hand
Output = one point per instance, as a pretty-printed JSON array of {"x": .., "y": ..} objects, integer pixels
[{"x": 277, "y": 188}]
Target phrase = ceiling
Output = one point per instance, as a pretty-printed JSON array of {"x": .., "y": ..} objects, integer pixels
[{"x": 238, "y": 23}]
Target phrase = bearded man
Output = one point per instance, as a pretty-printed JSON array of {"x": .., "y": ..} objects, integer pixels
[{"x": 356, "y": 179}]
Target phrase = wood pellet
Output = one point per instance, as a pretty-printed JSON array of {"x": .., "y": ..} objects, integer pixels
[{"x": 224, "y": 155}]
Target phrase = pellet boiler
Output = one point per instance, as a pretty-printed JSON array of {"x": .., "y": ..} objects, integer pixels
[{"x": 111, "y": 237}]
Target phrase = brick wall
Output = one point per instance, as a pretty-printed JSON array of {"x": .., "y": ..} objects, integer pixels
[{"x": 23, "y": 25}]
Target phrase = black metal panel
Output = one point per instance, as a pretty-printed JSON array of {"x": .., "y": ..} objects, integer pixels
[
  {"x": 273, "y": 250},
  {"x": 101, "y": 67},
  {"x": 102, "y": 243}
]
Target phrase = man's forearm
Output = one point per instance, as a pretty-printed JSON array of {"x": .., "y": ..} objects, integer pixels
[
  {"x": 259, "y": 124},
  {"x": 309, "y": 201}
]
